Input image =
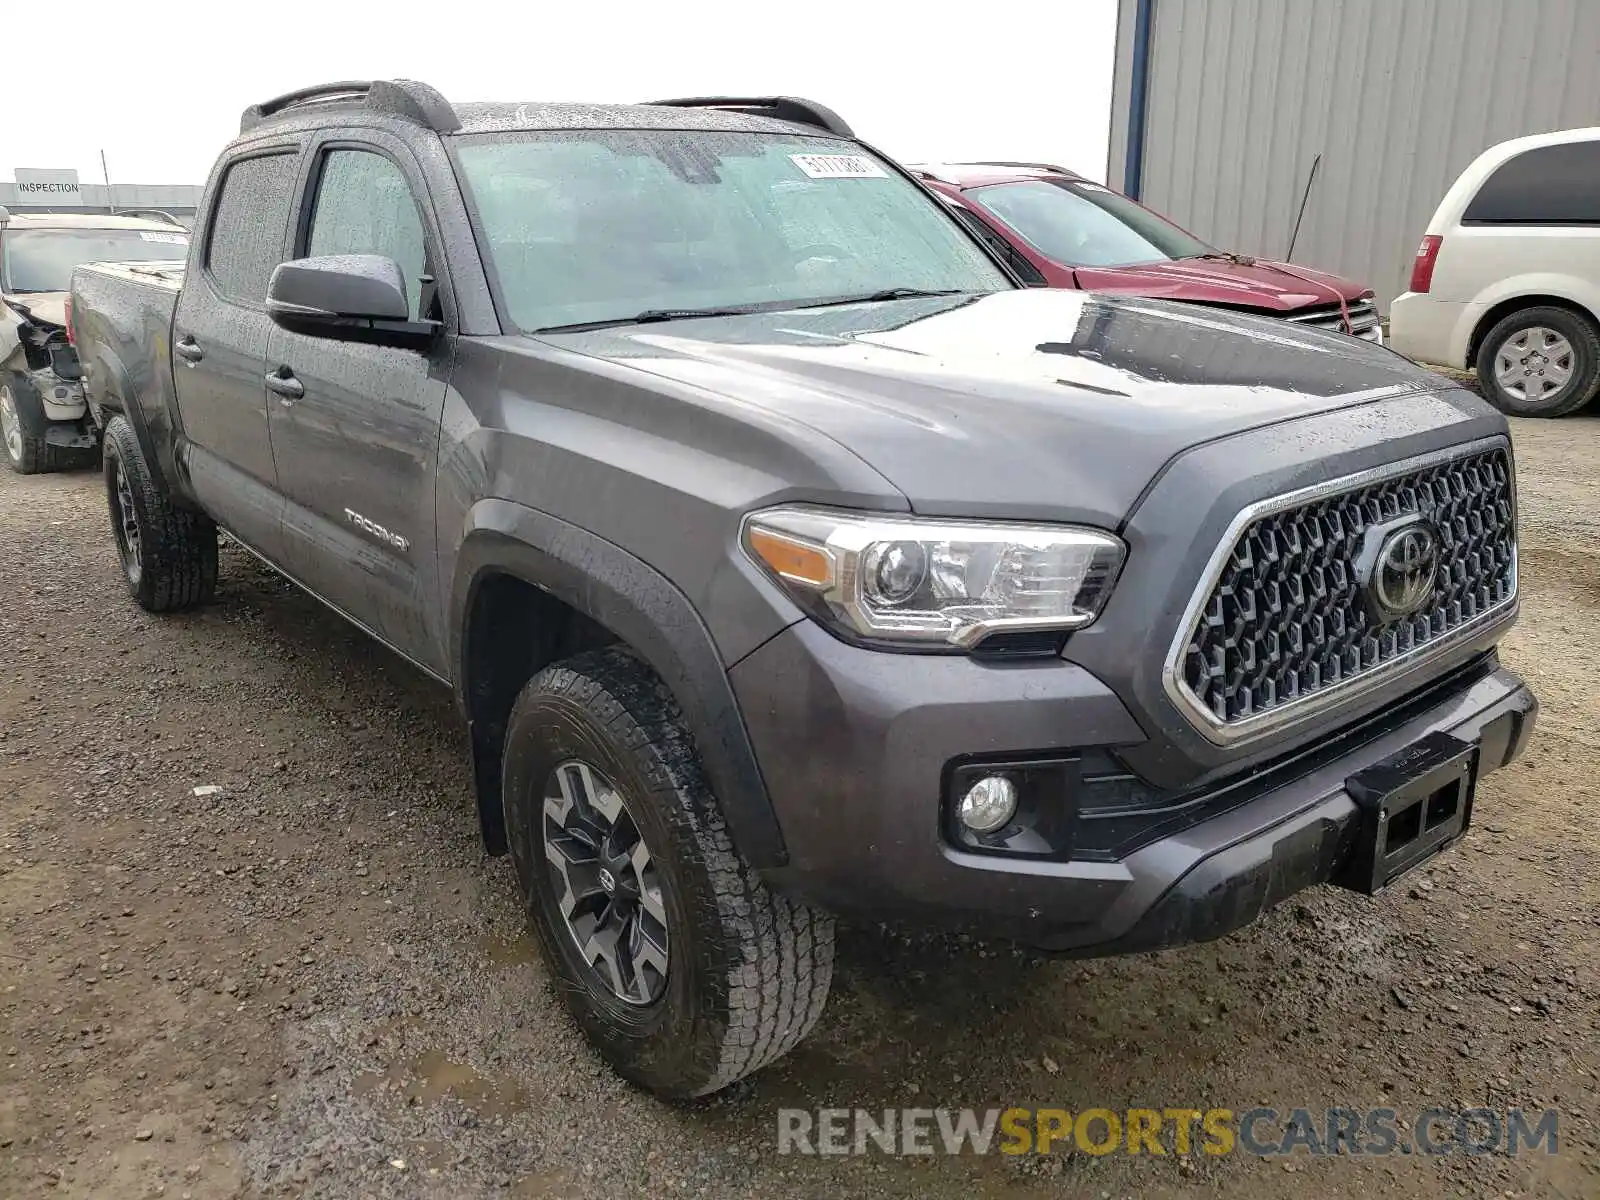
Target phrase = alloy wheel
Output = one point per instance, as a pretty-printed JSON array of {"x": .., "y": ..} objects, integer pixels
[
  {"x": 127, "y": 524},
  {"x": 10, "y": 424},
  {"x": 605, "y": 882},
  {"x": 1533, "y": 363}
]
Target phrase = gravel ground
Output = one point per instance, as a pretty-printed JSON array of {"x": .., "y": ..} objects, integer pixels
[{"x": 312, "y": 982}]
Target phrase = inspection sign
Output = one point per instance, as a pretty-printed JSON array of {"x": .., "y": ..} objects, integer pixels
[{"x": 56, "y": 188}]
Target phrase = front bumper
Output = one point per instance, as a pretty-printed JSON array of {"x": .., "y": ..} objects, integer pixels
[
  {"x": 59, "y": 399},
  {"x": 55, "y": 409},
  {"x": 856, "y": 748}
]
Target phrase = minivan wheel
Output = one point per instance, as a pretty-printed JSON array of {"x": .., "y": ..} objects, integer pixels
[
  {"x": 168, "y": 554},
  {"x": 682, "y": 968},
  {"x": 1540, "y": 362}
]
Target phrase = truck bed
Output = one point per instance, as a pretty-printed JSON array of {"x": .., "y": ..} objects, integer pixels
[
  {"x": 122, "y": 319},
  {"x": 165, "y": 275}
]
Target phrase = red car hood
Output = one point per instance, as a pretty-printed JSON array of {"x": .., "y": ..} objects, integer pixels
[{"x": 1267, "y": 286}]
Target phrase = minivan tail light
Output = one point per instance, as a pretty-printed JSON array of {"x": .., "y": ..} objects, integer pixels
[
  {"x": 72, "y": 338},
  {"x": 1422, "y": 268}
]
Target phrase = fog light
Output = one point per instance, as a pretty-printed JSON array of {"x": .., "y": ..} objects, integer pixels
[{"x": 988, "y": 804}]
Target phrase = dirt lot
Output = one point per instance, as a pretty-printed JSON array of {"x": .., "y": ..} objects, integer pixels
[{"x": 313, "y": 982}]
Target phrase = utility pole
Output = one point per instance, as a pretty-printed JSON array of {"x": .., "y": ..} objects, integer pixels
[{"x": 105, "y": 174}]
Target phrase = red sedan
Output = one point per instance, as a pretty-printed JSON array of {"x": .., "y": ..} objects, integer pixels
[{"x": 1057, "y": 229}]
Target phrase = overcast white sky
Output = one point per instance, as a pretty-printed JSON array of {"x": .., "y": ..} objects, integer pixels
[{"x": 159, "y": 87}]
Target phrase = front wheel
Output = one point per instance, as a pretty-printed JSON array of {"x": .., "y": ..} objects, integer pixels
[
  {"x": 682, "y": 968},
  {"x": 26, "y": 451},
  {"x": 1540, "y": 362}
]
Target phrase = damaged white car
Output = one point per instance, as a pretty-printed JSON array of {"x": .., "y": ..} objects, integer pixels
[{"x": 44, "y": 423}]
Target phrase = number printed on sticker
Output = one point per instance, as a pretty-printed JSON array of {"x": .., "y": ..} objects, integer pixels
[{"x": 838, "y": 166}]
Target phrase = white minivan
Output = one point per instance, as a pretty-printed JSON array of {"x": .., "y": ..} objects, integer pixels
[{"x": 1507, "y": 278}]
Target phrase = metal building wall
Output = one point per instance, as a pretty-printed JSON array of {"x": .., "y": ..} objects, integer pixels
[
  {"x": 1396, "y": 95},
  {"x": 179, "y": 199}
]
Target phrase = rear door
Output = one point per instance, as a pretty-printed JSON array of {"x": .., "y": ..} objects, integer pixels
[
  {"x": 219, "y": 349},
  {"x": 357, "y": 434}
]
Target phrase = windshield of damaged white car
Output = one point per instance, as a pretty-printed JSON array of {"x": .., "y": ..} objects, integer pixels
[
  {"x": 593, "y": 227},
  {"x": 42, "y": 260}
]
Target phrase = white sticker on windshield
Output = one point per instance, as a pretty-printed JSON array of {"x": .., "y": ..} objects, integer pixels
[
  {"x": 838, "y": 166},
  {"x": 169, "y": 239}
]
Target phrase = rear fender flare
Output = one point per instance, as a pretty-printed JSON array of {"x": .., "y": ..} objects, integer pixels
[
  {"x": 645, "y": 610},
  {"x": 109, "y": 389}
]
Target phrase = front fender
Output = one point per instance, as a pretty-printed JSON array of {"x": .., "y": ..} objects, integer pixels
[{"x": 646, "y": 610}]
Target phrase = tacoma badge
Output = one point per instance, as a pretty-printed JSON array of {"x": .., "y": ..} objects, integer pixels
[{"x": 376, "y": 530}]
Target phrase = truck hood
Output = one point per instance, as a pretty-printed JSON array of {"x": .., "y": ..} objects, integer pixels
[
  {"x": 1260, "y": 285},
  {"x": 1032, "y": 403},
  {"x": 48, "y": 308}
]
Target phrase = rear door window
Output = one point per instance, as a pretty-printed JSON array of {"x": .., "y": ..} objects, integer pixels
[
  {"x": 1548, "y": 185},
  {"x": 248, "y": 225}
]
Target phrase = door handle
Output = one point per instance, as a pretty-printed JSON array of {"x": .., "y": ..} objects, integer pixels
[
  {"x": 283, "y": 382},
  {"x": 188, "y": 349}
]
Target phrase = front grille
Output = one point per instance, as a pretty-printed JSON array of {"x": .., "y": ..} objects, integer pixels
[
  {"x": 1363, "y": 318},
  {"x": 1286, "y": 616}
]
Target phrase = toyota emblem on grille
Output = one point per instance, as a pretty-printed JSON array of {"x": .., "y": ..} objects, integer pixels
[{"x": 1401, "y": 568}]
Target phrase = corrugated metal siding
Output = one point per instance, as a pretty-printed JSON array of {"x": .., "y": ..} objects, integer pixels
[{"x": 1396, "y": 97}]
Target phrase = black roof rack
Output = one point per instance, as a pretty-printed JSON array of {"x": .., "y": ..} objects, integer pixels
[
  {"x": 1038, "y": 166},
  {"x": 780, "y": 108},
  {"x": 403, "y": 98}
]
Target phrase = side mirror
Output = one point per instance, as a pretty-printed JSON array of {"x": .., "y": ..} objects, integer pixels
[{"x": 351, "y": 297}]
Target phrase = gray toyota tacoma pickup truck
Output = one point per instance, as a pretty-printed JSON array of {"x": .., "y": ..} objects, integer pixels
[{"x": 788, "y": 559}]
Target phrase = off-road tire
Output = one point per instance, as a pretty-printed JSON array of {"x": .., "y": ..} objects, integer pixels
[
  {"x": 173, "y": 563},
  {"x": 749, "y": 969},
  {"x": 31, "y": 455},
  {"x": 1580, "y": 333}
]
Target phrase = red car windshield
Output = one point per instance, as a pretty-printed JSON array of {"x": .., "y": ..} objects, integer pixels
[{"x": 1081, "y": 224}]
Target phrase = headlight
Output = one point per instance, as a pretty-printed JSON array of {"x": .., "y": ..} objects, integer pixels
[{"x": 912, "y": 580}]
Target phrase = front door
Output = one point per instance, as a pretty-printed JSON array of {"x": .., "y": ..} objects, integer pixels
[
  {"x": 219, "y": 348},
  {"x": 355, "y": 426}
]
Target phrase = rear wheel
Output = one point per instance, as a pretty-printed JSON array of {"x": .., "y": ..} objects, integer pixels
[
  {"x": 1540, "y": 362},
  {"x": 682, "y": 968},
  {"x": 168, "y": 554}
]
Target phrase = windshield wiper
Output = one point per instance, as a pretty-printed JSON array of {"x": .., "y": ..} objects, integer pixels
[
  {"x": 896, "y": 293},
  {"x": 652, "y": 316},
  {"x": 1228, "y": 256}
]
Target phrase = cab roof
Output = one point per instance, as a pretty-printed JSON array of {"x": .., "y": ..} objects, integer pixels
[{"x": 415, "y": 102}]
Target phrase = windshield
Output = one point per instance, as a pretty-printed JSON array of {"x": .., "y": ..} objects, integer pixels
[
  {"x": 1081, "y": 224},
  {"x": 41, "y": 260},
  {"x": 603, "y": 225}
]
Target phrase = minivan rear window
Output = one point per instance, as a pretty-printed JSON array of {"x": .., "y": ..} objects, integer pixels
[{"x": 1548, "y": 185}]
